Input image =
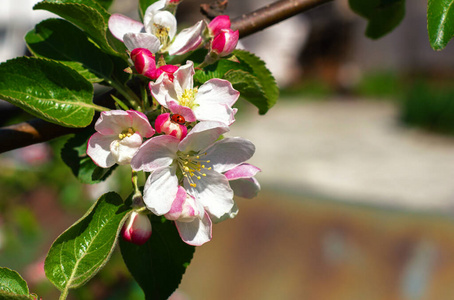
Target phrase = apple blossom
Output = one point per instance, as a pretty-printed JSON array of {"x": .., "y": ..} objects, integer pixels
[
  {"x": 172, "y": 125},
  {"x": 118, "y": 137},
  {"x": 197, "y": 162},
  {"x": 157, "y": 33},
  {"x": 212, "y": 101},
  {"x": 191, "y": 220},
  {"x": 137, "y": 229}
]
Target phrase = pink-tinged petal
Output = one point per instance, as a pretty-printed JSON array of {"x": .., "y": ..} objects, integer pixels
[
  {"x": 163, "y": 88},
  {"x": 113, "y": 122},
  {"x": 217, "y": 91},
  {"x": 186, "y": 112},
  {"x": 245, "y": 187},
  {"x": 197, "y": 232},
  {"x": 218, "y": 23},
  {"x": 157, "y": 152},
  {"x": 213, "y": 191},
  {"x": 165, "y": 19},
  {"x": 141, "y": 40},
  {"x": 242, "y": 171},
  {"x": 141, "y": 124},
  {"x": 229, "y": 153},
  {"x": 230, "y": 215},
  {"x": 160, "y": 190},
  {"x": 215, "y": 112},
  {"x": 124, "y": 150},
  {"x": 119, "y": 25},
  {"x": 137, "y": 229},
  {"x": 183, "y": 77},
  {"x": 202, "y": 135},
  {"x": 187, "y": 40},
  {"x": 177, "y": 205},
  {"x": 99, "y": 150}
]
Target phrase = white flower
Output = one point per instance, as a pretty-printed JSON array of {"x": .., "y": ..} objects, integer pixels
[
  {"x": 119, "y": 135},
  {"x": 212, "y": 101},
  {"x": 157, "y": 32},
  {"x": 197, "y": 162}
]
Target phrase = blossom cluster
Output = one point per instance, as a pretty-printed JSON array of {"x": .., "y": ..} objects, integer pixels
[{"x": 194, "y": 170}]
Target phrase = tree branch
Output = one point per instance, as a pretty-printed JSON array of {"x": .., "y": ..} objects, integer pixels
[
  {"x": 272, "y": 14},
  {"x": 37, "y": 130}
]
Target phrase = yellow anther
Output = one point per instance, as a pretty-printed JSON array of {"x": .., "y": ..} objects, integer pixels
[
  {"x": 198, "y": 177},
  {"x": 203, "y": 174}
]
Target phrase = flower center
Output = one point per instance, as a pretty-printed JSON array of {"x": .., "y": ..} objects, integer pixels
[
  {"x": 192, "y": 167},
  {"x": 162, "y": 33},
  {"x": 188, "y": 98},
  {"x": 126, "y": 133}
]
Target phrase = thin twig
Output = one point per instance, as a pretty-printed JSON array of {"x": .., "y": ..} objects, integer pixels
[{"x": 37, "y": 130}]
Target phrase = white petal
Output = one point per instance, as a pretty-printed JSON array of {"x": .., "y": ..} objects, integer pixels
[
  {"x": 141, "y": 40},
  {"x": 202, "y": 135},
  {"x": 160, "y": 190},
  {"x": 197, "y": 232},
  {"x": 229, "y": 153},
  {"x": 113, "y": 122},
  {"x": 215, "y": 112},
  {"x": 183, "y": 77},
  {"x": 166, "y": 20},
  {"x": 99, "y": 150},
  {"x": 245, "y": 187},
  {"x": 152, "y": 10},
  {"x": 123, "y": 150},
  {"x": 187, "y": 40},
  {"x": 230, "y": 215},
  {"x": 213, "y": 191},
  {"x": 119, "y": 25},
  {"x": 217, "y": 91},
  {"x": 163, "y": 88},
  {"x": 141, "y": 124},
  {"x": 157, "y": 152}
]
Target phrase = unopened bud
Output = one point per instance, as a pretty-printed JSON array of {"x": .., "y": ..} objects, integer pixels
[
  {"x": 137, "y": 229},
  {"x": 225, "y": 42},
  {"x": 144, "y": 61},
  {"x": 219, "y": 23},
  {"x": 172, "y": 125}
]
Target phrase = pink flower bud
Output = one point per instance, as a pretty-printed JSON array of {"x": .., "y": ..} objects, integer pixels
[
  {"x": 225, "y": 42},
  {"x": 219, "y": 23},
  {"x": 137, "y": 229},
  {"x": 144, "y": 61},
  {"x": 169, "y": 69},
  {"x": 172, "y": 125}
]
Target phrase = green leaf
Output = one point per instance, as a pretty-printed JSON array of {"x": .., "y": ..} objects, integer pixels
[
  {"x": 82, "y": 14},
  {"x": 106, "y": 4},
  {"x": 249, "y": 87},
  {"x": 264, "y": 77},
  {"x": 382, "y": 15},
  {"x": 159, "y": 264},
  {"x": 74, "y": 155},
  {"x": 8, "y": 296},
  {"x": 12, "y": 283},
  {"x": 50, "y": 39},
  {"x": 48, "y": 90},
  {"x": 83, "y": 249},
  {"x": 440, "y": 22},
  {"x": 143, "y": 5}
]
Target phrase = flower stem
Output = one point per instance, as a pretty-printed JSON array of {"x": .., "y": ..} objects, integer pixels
[
  {"x": 127, "y": 93},
  {"x": 64, "y": 294}
]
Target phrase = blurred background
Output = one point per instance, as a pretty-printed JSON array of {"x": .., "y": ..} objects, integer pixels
[{"x": 357, "y": 156}]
